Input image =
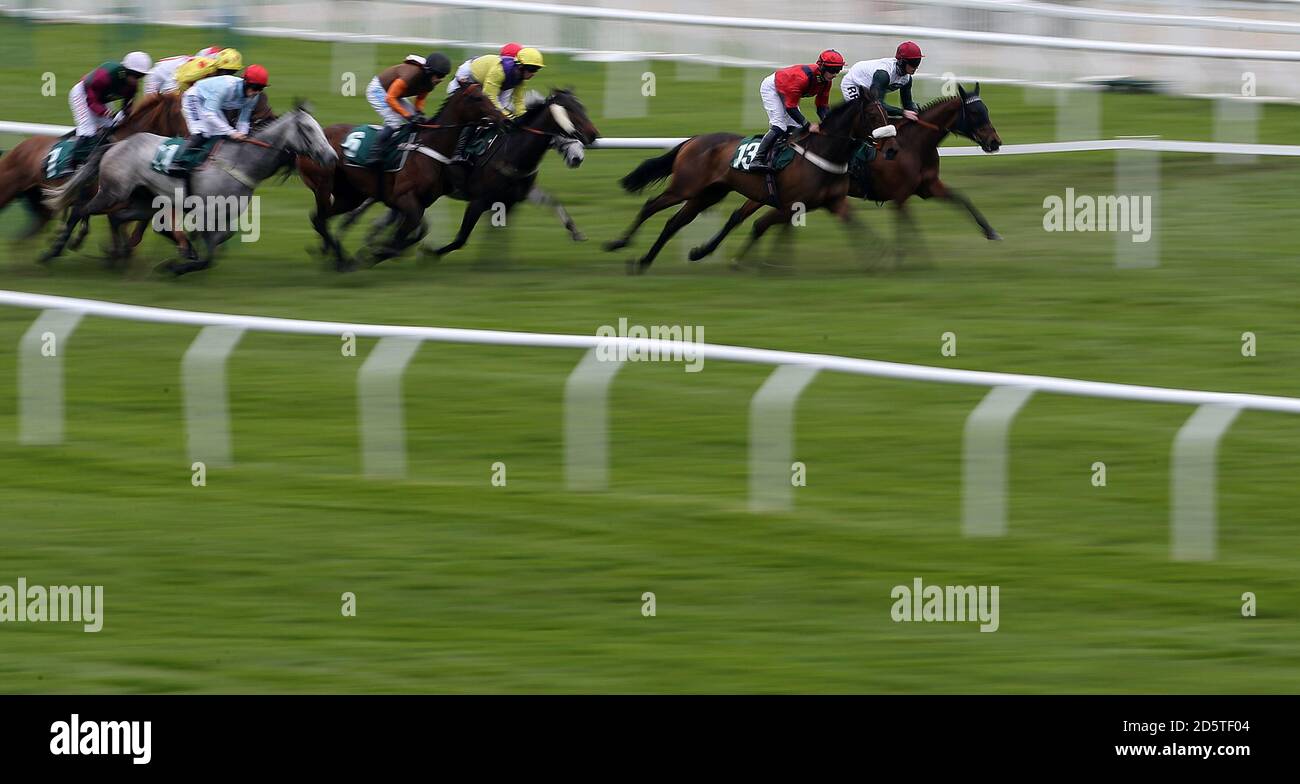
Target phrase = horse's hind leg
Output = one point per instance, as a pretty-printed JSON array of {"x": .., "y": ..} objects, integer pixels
[
  {"x": 473, "y": 211},
  {"x": 40, "y": 213},
  {"x": 738, "y": 217},
  {"x": 661, "y": 202},
  {"x": 685, "y": 215},
  {"x": 781, "y": 215}
]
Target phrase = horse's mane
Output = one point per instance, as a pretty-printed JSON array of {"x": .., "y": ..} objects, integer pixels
[
  {"x": 937, "y": 101},
  {"x": 835, "y": 114},
  {"x": 466, "y": 90}
]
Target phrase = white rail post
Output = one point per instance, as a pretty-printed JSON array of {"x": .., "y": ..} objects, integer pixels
[
  {"x": 984, "y": 461},
  {"x": 586, "y": 420},
  {"x": 380, "y": 413},
  {"x": 1236, "y": 120},
  {"x": 207, "y": 410},
  {"x": 771, "y": 437},
  {"x": 40, "y": 376},
  {"x": 1137, "y": 174},
  {"x": 1193, "y": 477}
]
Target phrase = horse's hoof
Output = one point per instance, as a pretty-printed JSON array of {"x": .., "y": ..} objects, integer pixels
[
  {"x": 578, "y": 236},
  {"x": 697, "y": 253},
  {"x": 615, "y": 245},
  {"x": 993, "y": 235}
]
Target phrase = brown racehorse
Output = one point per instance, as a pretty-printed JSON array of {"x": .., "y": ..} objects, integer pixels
[
  {"x": 915, "y": 170},
  {"x": 702, "y": 174},
  {"x": 410, "y": 191},
  {"x": 22, "y": 170}
]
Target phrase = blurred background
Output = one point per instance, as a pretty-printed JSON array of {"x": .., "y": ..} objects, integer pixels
[{"x": 465, "y": 586}]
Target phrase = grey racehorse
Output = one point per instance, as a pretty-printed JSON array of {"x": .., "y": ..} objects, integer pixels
[{"x": 130, "y": 189}]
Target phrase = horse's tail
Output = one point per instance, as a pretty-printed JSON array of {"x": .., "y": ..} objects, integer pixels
[
  {"x": 651, "y": 170},
  {"x": 61, "y": 196}
]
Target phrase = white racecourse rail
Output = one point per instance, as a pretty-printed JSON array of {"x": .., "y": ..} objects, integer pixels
[
  {"x": 382, "y": 435},
  {"x": 1044, "y": 148}
]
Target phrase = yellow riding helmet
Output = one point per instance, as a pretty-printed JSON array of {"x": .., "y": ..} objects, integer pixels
[
  {"x": 530, "y": 56},
  {"x": 229, "y": 60}
]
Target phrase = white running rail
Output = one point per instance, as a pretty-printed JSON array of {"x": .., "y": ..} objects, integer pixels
[{"x": 1193, "y": 513}]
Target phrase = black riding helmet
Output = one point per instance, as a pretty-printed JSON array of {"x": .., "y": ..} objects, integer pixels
[{"x": 437, "y": 64}]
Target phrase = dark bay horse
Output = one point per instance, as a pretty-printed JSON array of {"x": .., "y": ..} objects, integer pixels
[
  {"x": 341, "y": 189},
  {"x": 702, "y": 174},
  {"x": 915, "y": 170},
  {"x": 506, "y": 174}
]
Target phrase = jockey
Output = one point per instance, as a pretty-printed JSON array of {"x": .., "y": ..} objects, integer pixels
[
  {"x": 782, "y": 91},
  {"x": 886, "y": 75},
  {"x": 387, "y": 93},
  {"x": 465, "y": 73},
  {"x": 204, "y": 107},
  {"x": 162, "y": 78},
  {"x": 89, "y": 98},
  {"x": 224, "y": 63},
  {"x": 500, "y": 75}
]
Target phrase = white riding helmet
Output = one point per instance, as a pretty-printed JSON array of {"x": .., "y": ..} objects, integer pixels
[{"x": 138, "y": 62}]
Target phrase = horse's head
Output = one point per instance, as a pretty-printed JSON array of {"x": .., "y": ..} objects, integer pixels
[
  {"x": 877, "y": 125},
  {"x": 298, "y": 132},
  {"x": 863, "y": 118},
  {"x": 569, "y": 117},
  {"x": 974, "y": 122}
]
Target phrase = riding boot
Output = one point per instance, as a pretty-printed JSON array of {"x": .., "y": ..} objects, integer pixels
[
  {"x": 761, "y": 163},
  {"x": 458, "y": 157},
  {"x": 380, "y": 146},
  {"x": 181, "y": 165}
]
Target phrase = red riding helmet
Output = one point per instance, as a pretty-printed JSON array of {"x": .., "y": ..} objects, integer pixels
[
  {"x": 908, "y": 50},
  {"x": 256, "y": 75},
  {"x": 511, "y": 49},
  {"x": 830, "y": 59}
]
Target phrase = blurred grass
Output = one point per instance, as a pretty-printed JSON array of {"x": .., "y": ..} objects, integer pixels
[{"x": 462, "y": 586}]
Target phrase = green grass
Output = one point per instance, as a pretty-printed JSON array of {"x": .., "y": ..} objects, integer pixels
[{"x": 463, "y": 587}]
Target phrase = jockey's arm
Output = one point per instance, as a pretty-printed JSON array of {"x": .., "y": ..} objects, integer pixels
[
  {"x": 797, "y": 115},
  {"x": 246, "y": 114},
  {"x": 880, "y": 85},
  {"x": 419, "y": 102},
  {"x": 905, "y": 95},
  {"x": 394, "y": 97},
  {"x": 492, "y": 89},
  {"x": 823, "y": 101},
  {"x": 97, "y": 87},
  {"x": 517, "y": 97},
  {"x": 216, "y": 118}
]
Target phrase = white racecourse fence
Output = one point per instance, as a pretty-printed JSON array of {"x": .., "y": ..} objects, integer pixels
[
  {"x": 1193, "y": 45},
  {"x": 771, "y": 425}
]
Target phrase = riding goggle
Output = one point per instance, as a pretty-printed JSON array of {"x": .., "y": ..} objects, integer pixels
[
  {"x": 914, "y": 63},
  {"x": 832, "y": 69},
  {"x": 256, "y": 87},
  {"x": 531, "y": 68}
]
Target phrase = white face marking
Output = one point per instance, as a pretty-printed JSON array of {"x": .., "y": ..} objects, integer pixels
[{"x": 562, "y": 118}]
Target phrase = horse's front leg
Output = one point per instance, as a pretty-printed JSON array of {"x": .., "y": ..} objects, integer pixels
[
  {"x": 736, "y": 218},
  {"x": 473, "y": 211},
  {"x": 540, "y": 197},
  {"x": 939, "y": 190}
]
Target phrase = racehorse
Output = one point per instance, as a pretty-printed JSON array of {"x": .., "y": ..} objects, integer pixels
[
  {"x": 703, "y": 174},
  {"x": 506, "y": 173},
  {"x": 128, "y": 181},
  {"x": 915, "y": 170},
  {"x": 23, "y": 169},
  {"x": 409, "y": 191}
]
